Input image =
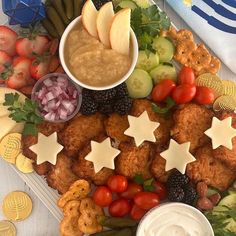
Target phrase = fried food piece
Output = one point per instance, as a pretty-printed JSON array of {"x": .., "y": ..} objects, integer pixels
[
  {"x": 210, "y": 170},
  {"x": 80, "y": 131},
  {"x": 84, "y": 169},
  {"x": 60, "y": 177},
  {"x": 191, "y": 121},
  {"x": 227, "y": 156},
  {"x": 69, "y": 225},
  {"x": 134, "y": 160},
  {"x": 158, "y": 168},
  {"x": 77, "y": 191},
  {"x": 162, "y": 133},
  {"x": 115, "y": 126},
  {"x": 47, "y": 129}
]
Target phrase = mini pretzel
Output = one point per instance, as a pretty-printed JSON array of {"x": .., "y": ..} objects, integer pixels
[
  {"x": 77, "y": 191},
  {"x": 69, "y": 225}
]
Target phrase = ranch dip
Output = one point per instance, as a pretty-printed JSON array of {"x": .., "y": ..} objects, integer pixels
[{"x": 174, "y": 219}]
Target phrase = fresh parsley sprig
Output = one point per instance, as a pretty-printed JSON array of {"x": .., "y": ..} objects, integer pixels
[
  {"x": 147, "y": 184},
  {"x": 169, "y": 104},
  {"x": 26, "y": 111}
]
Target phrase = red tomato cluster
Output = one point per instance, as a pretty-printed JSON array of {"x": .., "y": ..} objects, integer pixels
[
  {"x": 130, "y": 198},
  {"x": 185, "y": 91}
]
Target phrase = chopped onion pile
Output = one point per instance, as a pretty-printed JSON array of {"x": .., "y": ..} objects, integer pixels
[{"x": 57, "y": 98}]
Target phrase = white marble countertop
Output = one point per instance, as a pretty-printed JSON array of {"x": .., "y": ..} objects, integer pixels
[{"x": 41, "y": 222}]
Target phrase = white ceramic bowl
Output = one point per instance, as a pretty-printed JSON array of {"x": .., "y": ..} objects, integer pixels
[
  {"x": 65, "y": 67},
  {"x": 173, "y": 217}
]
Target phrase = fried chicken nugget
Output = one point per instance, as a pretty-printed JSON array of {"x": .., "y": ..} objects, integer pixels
[
  {"x": 158, "y": 168},
  {"x": 162, "y": 133},
  {"x": 134, "y": 160},
  {"x": 115, "y": 126},
  {"x": 227, "y": 156},
  {"x": 210, "y": 170},
  {"x": 84, "y": 169},
  {"x": 191, "y": 121},
  {"x": 60, "y": 177},
  {"x": 80, "y": 131}
]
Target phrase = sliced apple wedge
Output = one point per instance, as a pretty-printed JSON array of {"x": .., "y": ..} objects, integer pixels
[
  {"x": 104, "y": 21},
  {"x": 89, "y": 18},
  {"x": 120, "y": 31}
]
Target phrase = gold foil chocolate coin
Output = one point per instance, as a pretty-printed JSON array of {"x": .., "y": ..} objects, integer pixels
[
  {"x": 229, "y": 87},
  {"x": 7, "y": 228},
  {"x": 17, "y": 206},
  {"x": 225, "y": 103},
  {"x": 24, "y": 164}
]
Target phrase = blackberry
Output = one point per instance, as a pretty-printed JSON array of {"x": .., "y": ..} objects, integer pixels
[
  {"x": 104, "y": 95},
  {"x": 106, "y": 108},
  {"x": 190, "y": 194},
  {"x": 89, "y": 106},
  {"x": 87, "y": 93},
  {"x": 176, "y": 194},
  {"x": 177, "y": 179},
  {"x": 123, "y": 106},
  {"x": 122, "y": 91},
  {"x": 99, "y": 3}
]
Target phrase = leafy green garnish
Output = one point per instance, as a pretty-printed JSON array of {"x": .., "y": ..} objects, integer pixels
[
  {"x": 23, "y": 112},
  {"x": 163, "y": 110},
  {"x": 147, "y": 184},
  {"x": 147, "y": 23}
]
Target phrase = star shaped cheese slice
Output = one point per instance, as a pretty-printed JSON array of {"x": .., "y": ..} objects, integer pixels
[
  {"x": 177, "y": 156},
  {"x": 102, "y": 155},
  {"x": 141, "y": 128},
  {"x": 47, "y": 148},
  {"x": 221, "y": 133}
]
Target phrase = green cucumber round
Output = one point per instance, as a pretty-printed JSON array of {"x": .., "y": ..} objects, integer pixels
[
  {"x": 143, "y": 3},
  {"x": 139, "y": 84},
  {"x": 128, "y": 4},
  {"x": 147, "y": 62}
]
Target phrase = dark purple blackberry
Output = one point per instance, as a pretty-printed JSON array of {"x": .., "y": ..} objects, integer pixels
[
  {"x": 104, "y": 95},
  {"x": 121, "y": 91},
  {"x": 89, "y": 106},
  {"x": 99, "y": 3},
  {"x": 176, "y": 194},
  {"x": 123, "y": 106},
  {"x": 87, "y": 93},
  {"x": 106, "y": 108},
  {"x": 190, "y": 194},
  {"x": 176, "y": 179}
]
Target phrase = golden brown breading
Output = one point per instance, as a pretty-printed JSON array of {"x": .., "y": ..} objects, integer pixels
[
  {"x": 115, "y": 126},
  {"x": 228, "y": 157},
  {"x": 158, "y": 168},
  {"x": 210, "y": 170},
  {"x": 134, "y": 160},
  {"x": 84, "y": 169},
  {"x": 191, "y": 121},
  {"x": 162, "y": 133},
  {"x": 80, "y": 131},
  {"x": 60, "y": 177}
]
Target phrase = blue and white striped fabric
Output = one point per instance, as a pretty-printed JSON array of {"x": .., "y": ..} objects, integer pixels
[{"x": 215, "y": 22}]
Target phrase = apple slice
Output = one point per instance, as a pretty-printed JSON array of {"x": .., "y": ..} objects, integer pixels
[
  {"x": 104, "y": 20},
  {"x": 89, "y": 18},
  {"x": 120, "y": 31}
]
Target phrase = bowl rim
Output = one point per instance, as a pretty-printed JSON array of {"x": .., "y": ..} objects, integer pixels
[
  {"x": 166, "y": 204},
  {"x": 72, "y": 77}
]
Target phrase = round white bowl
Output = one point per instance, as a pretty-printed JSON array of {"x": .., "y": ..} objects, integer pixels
[
  {"x": 168, "y": 208},
  {"x": 77, "y": 81}
]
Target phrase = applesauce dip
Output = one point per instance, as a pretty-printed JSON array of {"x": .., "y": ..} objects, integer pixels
[{"x": 91, "y": 62}]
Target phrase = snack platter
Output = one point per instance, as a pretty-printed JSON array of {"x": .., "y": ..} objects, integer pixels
[{"x": 112, "y": 144}]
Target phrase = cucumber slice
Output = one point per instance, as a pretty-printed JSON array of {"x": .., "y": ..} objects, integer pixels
[
  {"x": 143, "y": 3},
  {"x": 139, "y": 84},
  {"x": 164, "y": 48},
  {"x": 147, "y": 62},
  {"x": 229, "y": 201},
  {"x": 163, "y": 72},
  {"x": 128, "y": 4}
]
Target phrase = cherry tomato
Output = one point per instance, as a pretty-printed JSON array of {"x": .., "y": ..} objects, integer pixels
[
  {"x": 131, "y": 191},
  {"x": 184, "y": 93},
  {"x": 137, "y": 213},
  {"x": 160, "y": 189},
  {"x": 186, "y": 75},
  {"x": 204, "y": 95},
  {"x": 102, "y": 196},
  {"x": 119, "y": 208},
  {"x": 162, "y": 90},
  {"x": 146, "y": 200},
  {"x": 117, "y": 183}
]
